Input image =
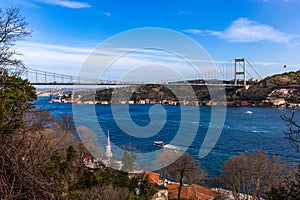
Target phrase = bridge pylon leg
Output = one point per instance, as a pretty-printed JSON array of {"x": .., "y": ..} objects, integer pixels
[{"x": 237, "y": 73}]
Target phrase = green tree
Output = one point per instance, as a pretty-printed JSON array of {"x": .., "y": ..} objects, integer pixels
[
  {"x": 279, "y": 193},
  {"x": 128, "y": 161},
  {"x": 15, "y": 93},
  {"x": 20, "y": 174},
  {"x": 71, "y": 153},
  {"x": 15, "y": 97}
]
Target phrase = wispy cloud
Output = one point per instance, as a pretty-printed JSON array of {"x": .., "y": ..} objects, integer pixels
[
  {"x": 286, "y": 1},
  {"x": 193, "y": 31},
  {"x": 183, "y": 13},
  {"x": 50, "y": 57},
  {"x": 66, "y": 3},
  {"x": 69, "y": 59},
  {"x": 244, "y": 30},
  {"x": 57, "y": 48},
  {"x": 107, "y": 14}
]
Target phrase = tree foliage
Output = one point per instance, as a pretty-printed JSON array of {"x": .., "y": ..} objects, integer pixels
[
  {"x": 254, "y": 174},
  {"x": 291, "y": 192},
  {"x": 15, "y": 97},
  {"x": 15, "y": 93},
  {"x": 128, "y": 161},
  {"x": 26, "y": 156}
]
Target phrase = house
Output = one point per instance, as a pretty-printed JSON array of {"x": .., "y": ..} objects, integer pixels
[
  {"x": 278, "y": 101},
  {"x": 161, "y": 195},
  {"x": 245, "y": 103},
  {"x": 195, "y": 192},
  {"x": 152, "y": 177},
  {"x": 130, "y": 102},
  {"x": 142, "y": 101},
  {"x": 284, "y": 95}
]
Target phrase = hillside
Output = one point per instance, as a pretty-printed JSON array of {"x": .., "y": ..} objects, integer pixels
[
  {"x": 285, "y": 86},
  {"x": 277, "y": 90}
]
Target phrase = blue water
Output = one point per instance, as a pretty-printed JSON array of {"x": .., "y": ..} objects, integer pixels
[{"x": 263, "y": 129}]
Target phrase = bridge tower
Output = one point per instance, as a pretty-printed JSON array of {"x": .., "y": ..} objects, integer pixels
[{"x": 237, "y": 73}]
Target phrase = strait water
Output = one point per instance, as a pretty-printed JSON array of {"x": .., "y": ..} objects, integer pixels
[{"x": 242, "y": 132}]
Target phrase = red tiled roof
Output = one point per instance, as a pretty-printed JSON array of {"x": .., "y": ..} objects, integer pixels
[
  {"x": 195, "y": 192},
  {"x": 152, "y": 176},
  {"x": 172, "y": 186}
]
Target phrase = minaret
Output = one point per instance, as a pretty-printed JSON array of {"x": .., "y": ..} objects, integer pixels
[{"x": 108, "y": 152}]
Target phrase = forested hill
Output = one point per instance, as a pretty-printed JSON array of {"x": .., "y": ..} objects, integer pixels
[
  {"x": 273, "y": 86},
  {"x": 282, "y": 88}
]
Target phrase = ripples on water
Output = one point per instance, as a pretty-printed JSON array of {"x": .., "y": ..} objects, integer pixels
[{"x": 241, "y": 133}]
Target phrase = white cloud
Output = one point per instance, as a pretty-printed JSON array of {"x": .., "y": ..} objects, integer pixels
[
  {"x": 193, "y": 31},
  {"x": 55, "y": 58},
  {"x": 265, "y": 63},
  {"x": 286, "y": 1},
  {"x": 107, "y": 14},
  {"x": 66, "y": 3},
  {"x": 244, "y": 30},
  {"x": 69, "y": 59},
  {"x": 57, "y": 48},
  {"x": 183, "y": 13}
]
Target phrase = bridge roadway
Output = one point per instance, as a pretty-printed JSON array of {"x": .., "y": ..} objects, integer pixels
[
  {"x": 40, "y": 77},
  {"x": 148, "y": 83}
]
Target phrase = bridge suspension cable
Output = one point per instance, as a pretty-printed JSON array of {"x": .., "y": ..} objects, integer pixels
[
  {"x": 224, "y": 72},
  {"x": 253, "y": 69}
]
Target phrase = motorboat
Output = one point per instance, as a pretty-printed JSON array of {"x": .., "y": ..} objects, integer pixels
[
  {"x": 248, "y": 112},
  {"x": 159, "y": 143}
]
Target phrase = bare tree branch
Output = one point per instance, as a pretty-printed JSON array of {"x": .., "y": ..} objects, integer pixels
[
  {"x": 293, "y": 133},
  {"x": 13, "y": 28}
]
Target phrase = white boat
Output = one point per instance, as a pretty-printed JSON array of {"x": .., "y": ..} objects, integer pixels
[
  {"x": 159, "y": 143},
  {"x": 248, "y": 112}
]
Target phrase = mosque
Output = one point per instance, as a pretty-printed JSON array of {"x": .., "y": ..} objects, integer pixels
[{"x": 106, "y": 161}]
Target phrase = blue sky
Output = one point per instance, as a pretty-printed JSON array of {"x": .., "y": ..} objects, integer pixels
[{"x": 266, "y": 32}]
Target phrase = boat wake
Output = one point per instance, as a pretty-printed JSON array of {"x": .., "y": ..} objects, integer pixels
[{"x": 170, "y": 146}]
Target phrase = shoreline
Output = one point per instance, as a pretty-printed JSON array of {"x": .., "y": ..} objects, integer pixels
[{"x": 184, "y": 103}]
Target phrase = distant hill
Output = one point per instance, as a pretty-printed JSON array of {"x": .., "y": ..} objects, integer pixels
[
  {"x": 263, "y": 89},
  {"x": 279, "y": 90}
]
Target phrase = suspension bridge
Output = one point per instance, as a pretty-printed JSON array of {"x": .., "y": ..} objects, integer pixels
[{"x": 232, "y": 73}]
